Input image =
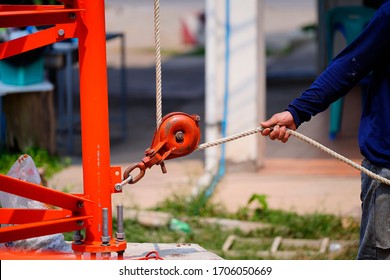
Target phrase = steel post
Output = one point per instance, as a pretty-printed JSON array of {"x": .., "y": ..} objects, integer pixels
[{"x": 94, "y": 115}]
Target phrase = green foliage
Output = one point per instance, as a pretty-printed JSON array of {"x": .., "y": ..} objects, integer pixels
[
  {"x": 190, "y": 206},
  {"x": 199, "y": 51},
  {"x": 46, "y": 2},
  {"x": 293, "y": 225},
  {"x": 310, "y": 226},
  {"x": 261, "y": 198},
  {"x": 41, "y": 158},
  {"x": 313, "y": 27}
]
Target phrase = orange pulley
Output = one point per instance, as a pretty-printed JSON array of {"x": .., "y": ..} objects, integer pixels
[{"x": 178, "y": 135}]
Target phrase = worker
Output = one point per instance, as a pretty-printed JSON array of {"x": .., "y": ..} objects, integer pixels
[{"x": 368, "y": 53}]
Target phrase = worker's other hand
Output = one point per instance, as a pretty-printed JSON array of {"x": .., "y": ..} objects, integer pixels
[{"x": 276, "y": 126}]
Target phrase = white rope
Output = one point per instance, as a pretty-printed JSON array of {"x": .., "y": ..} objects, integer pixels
[
  {"x": 158, "y": 62},
  {"x": 339, "y": 157},
  {"x": 305, "y": 139},
  {"x": 229, "y": 138}
]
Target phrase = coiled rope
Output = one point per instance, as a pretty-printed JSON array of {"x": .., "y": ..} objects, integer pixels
[{"x": 245, "y": 133}]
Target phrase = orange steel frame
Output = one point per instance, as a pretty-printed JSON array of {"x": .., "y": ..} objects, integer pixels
[{"x": 85, "y": 20}]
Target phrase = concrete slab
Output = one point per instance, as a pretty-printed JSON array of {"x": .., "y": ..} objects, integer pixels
[
  {"x": 169, "y": 251},
  {"x": 134, "y": 251}
]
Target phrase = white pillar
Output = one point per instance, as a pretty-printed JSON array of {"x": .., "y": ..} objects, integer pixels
[{"x": 246, "y": 83}]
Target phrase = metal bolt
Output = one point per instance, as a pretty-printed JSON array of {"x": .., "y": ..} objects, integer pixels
[
  {"x": 119, "y": 235},
  {"x": 105, "y": 237},
  {"x": 105, "y": 240},
  {"x": 118, "y": 187},
  {"x": 179, "y": 136},
  {"x": 80, "y": 204},
  {"x": 61, "y": 32},
  {"x": 80, "y": 223}
]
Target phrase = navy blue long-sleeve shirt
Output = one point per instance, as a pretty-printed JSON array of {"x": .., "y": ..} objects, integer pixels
[{"x": 368, "y": 53}]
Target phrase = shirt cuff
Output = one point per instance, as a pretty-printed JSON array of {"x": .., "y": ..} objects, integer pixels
[{"x": 295, "y": 115}]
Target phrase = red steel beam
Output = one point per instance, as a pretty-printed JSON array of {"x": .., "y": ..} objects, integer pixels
[
  {"x": 9, "y": 8},
  {"x": 36, "y": 40},
  {"x": 95, "y": 142},
  {"x": 23, "y": 216},
  {"x": 19, "y": 232},
  {"x": 38, "y": 17},
  {"x": 43, "y": 194}
]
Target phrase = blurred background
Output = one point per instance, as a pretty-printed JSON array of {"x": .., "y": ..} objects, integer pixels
[{"x": 234, "y": 63}]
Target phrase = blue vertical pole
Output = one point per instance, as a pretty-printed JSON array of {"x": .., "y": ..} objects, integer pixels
[
  {"x": 222, "y": 161},
  {"x": 226, "y": 87}
]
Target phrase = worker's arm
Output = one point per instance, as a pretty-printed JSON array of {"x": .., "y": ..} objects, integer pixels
[{"x": 370, "y": 50}]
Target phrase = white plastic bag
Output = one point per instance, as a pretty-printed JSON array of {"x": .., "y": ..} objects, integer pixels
[{"x": 24, "y": 169}]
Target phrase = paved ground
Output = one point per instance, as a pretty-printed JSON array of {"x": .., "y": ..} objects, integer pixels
[{"x": 296, "y": 176}]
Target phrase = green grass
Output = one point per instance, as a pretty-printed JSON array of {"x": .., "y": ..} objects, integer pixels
[
  {"x": 308, "y": 226},
  {"x": 299, "y": 226},
  {"x": 51, "y": 164},
  {"x": 190, "y": 207}
]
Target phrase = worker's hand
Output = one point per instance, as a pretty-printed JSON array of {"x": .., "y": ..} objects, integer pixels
[{"x": 276, "y": 126}]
